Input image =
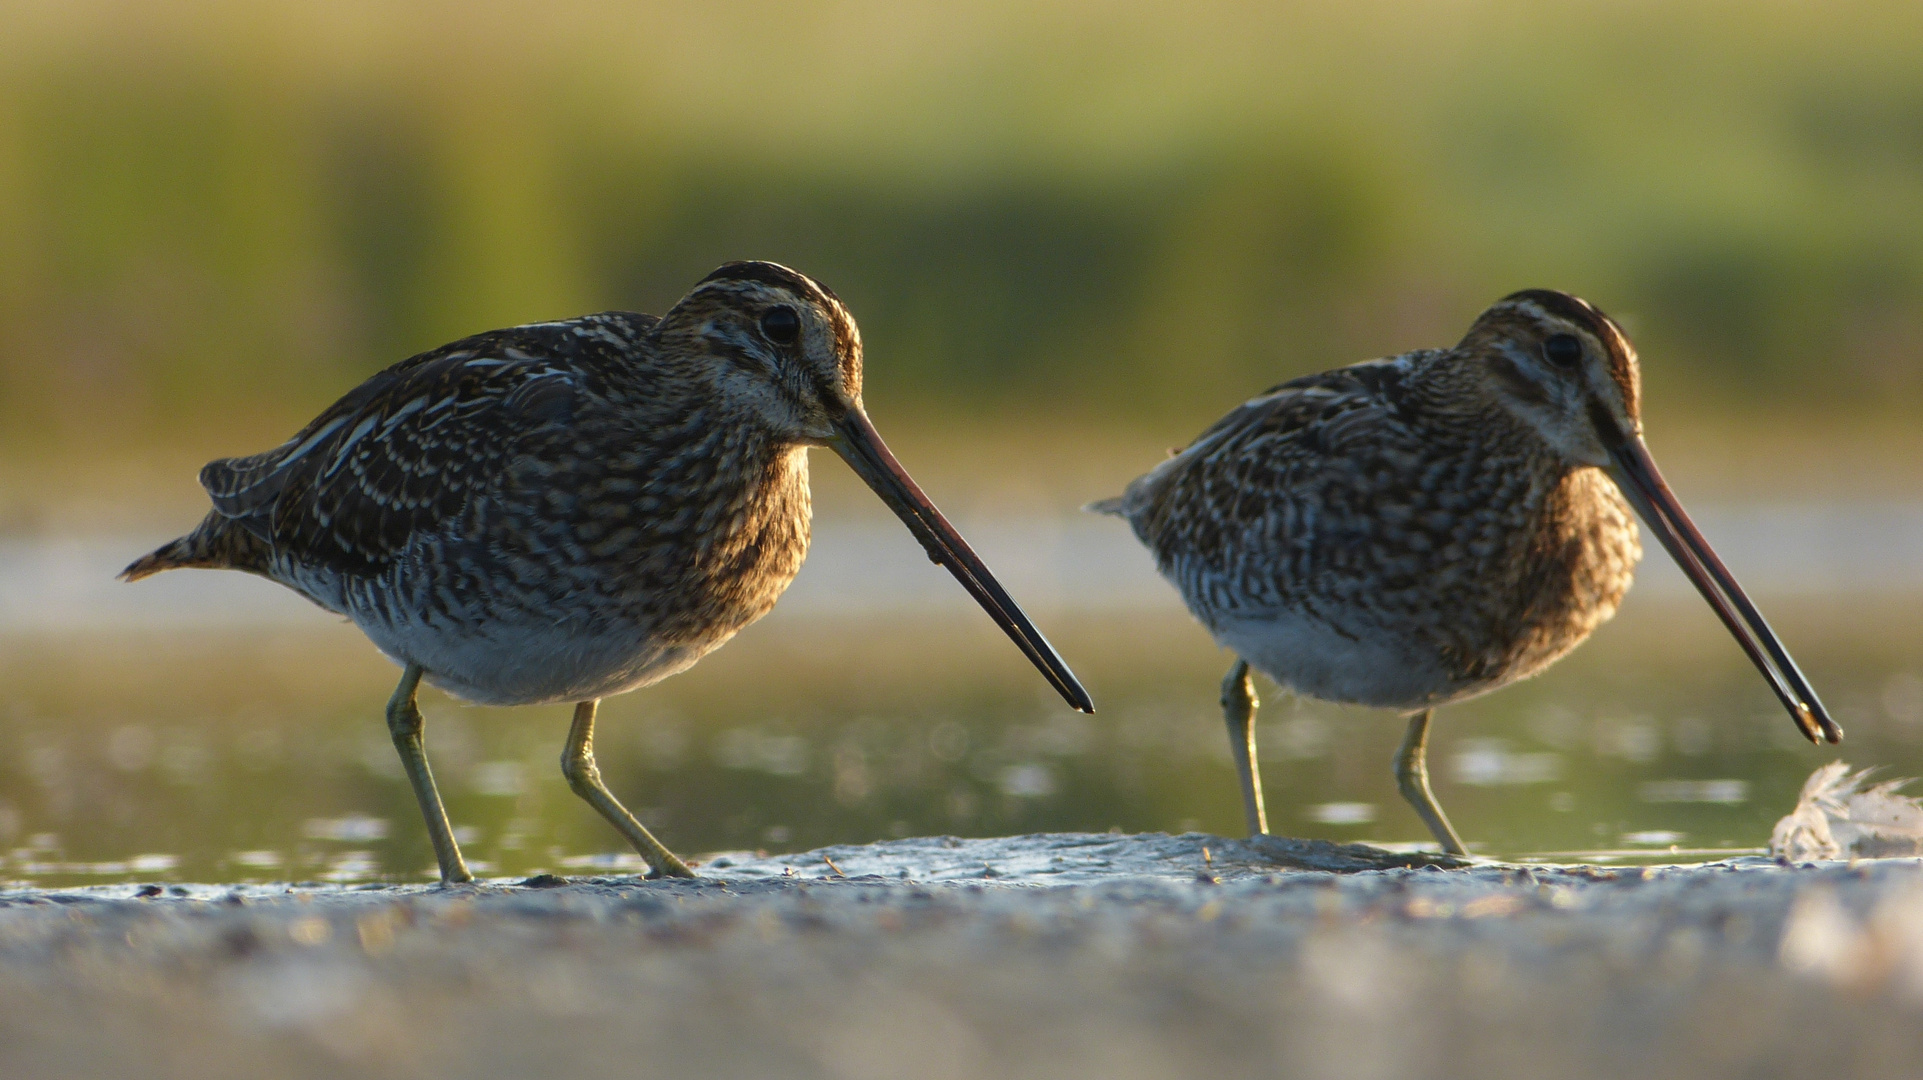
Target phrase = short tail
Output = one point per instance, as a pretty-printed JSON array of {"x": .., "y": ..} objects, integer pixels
[
  {"x": 1138, "y": 494},
  {"x": 186, "y": 551},
  {"x": 219, "y": 543}
]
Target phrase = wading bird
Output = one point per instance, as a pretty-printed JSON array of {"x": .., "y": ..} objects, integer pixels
[
  {"x": 567, "y": 510},
  {"x": 1413, "y": 531}
]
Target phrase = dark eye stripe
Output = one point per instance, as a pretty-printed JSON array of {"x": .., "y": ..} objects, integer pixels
[
  {"x": 1606, "y": 426},
  {"x": 746, "y": 361},
  {"x": 1519, "y": 384}
]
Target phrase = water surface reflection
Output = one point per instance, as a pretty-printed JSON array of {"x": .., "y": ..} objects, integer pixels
[{"x": 262, "y": 755}]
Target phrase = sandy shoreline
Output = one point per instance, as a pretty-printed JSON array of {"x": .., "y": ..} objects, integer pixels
[{"x": 1042, "y": 956}]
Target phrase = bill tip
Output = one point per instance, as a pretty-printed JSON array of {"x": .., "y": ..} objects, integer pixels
[{"x": 1818, "y": 729}]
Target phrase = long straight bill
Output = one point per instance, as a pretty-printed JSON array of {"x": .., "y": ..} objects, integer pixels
[
  {"x": 1635, "y": 472},
  {"x": 861, "y": 447}
]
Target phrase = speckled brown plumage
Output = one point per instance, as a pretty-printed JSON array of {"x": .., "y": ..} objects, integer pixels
[
  {"x": 1412, "y": 531},
  {"x": 567, "y": 510},
  {"x": 562, "y": 473},
  {"x": 1388, "y": 499}
]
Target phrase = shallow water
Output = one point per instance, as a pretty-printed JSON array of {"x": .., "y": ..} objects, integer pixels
[{"x": 259, "y": 753}]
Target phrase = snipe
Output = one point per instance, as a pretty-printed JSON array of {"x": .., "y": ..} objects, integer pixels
[
  {"x": 567, "y": 510},
  {"x": 1409, "y": 532}
]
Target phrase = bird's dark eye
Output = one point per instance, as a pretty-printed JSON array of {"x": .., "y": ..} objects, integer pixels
[
  {"x": 1563, "y": 350},
  {"x": 781, "y": 325}
]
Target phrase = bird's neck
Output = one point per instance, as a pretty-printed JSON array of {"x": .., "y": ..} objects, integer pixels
[{"x": 1459, "y": 407}]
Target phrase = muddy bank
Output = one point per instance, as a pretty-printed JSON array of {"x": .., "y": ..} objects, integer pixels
[{"x": 1036, "y": 956}]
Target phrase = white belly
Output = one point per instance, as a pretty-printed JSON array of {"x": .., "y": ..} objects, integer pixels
[
  {"x": 507, "y": 664},
  {"x": 1310, "y": 657}
]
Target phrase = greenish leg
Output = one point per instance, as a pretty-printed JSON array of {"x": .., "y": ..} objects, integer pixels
[
  {"x": 584, "y": 776},
  {"x": 405, "y": 724},
  {"x": 1412, "y": 776},
  {"x": 1238, "y": 709}
]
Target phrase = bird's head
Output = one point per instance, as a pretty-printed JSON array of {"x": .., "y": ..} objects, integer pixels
[
  {"x": 782, "y": 352},
  {"x": 1562, "y": 367},
  {"x": 1568, "y": 371},
  {"x": 777, "y": 345}
]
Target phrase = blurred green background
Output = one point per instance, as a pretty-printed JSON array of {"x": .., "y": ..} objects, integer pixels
[
  {"x": 214, "y": 217},
  {"x": 1073, "y": 234}
]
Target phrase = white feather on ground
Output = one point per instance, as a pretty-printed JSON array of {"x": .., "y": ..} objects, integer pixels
[{"x": 1839, "y": 817}]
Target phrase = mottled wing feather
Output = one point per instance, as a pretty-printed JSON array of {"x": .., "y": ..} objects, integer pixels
[
  {"x": 407, "y": 450},
  {"x": 1259, "y": 481},
  {"x": 246, "y": 489}
]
